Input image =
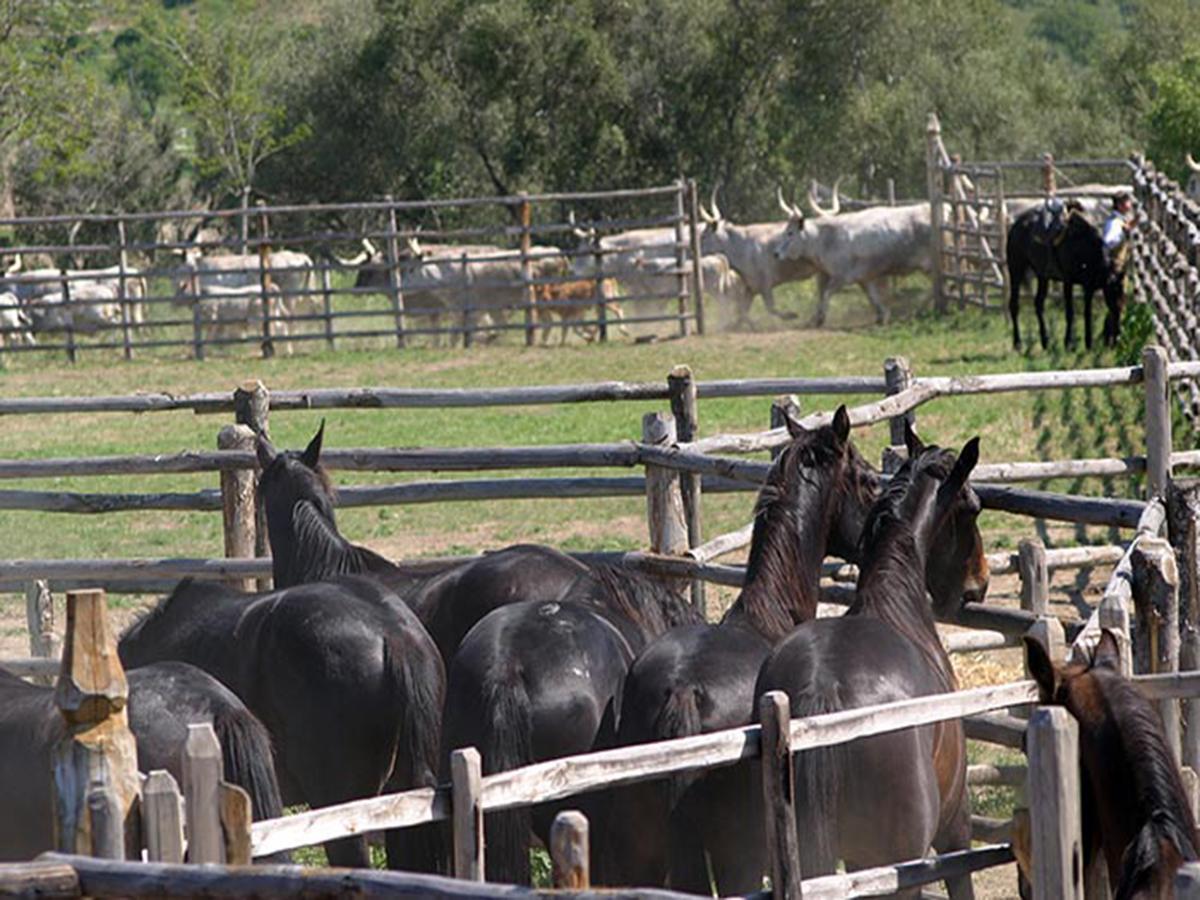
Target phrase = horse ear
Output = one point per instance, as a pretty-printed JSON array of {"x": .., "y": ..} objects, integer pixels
[
  {"x": 265, "y": 450},
  {"x": 1037, "y": 661},
  {"x": 1107, "y": 654},
  {"x": 841, "y": 423},
  {"x": 311, "y": 456},
  {"x": 968, "y": 457},
  {"x": 912, "y": 441},
  {"x": 795, "y": 429}
]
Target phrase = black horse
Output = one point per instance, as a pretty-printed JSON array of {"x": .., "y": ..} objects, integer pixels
[
  {"x": 892, "y": 796},
  {"x": 537, "y": 680},
  {"x": 1136, "y": 816},
  {"x": 700, "y": 678},
  {"x": 342, "y": 674},
  {"x": 1067, "y": 249},
  {"x": 306, "y": 546},
  {"x": 163, "y": 700}
]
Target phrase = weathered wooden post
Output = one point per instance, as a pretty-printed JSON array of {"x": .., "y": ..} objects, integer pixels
[
  {"x": 391, "y": 248},
  {"x": 66, "y": 306},
  {"x": 465, "y": 302},
  {"x": 779, "y": 795},
  {"x": 1156, "y": 605},
  {"x": 570, "y": 862},
  {"x": 525, "y": 215},
  {"x": 1052, "y": 746},
  {"x": 781, "y": 407},
  {"x": 697, "y": 255},
  {"x": 1158, "y": 420},
  {"x": 1114, "y": 616},
  {"x": 1183, "y": 521},
  {"x": 108, "y": 822},
  {"x": 265, "y": 281},
  {"x": 202, "y": 770},
  {"x": 598, "y": 291},
  {"x": 1048, "y": 631},
  {"x": 327, "y": 306},
  {"x": 898, "y": 377},
  {"x": 681, "y": 385},
  {"x": 162, "y": 817},
  {"x": 235, "y": 815},
  {"x": 244, "y": 220},
  {"x": 681, "y": 255},
  {"x": 238, "y": 501},
  {"x": 39, "y": 617},
  {"x": 465, "y": 785},
  {"x": 252, "y": 408},
  {"x": 1035, "y": 576},
  {"x": 98, "y": 750},
  {"x": 193, "y": 280},
  {"x": 664, "y": 496},
  {"x": 1049, "y": 186},
  {"x": 123, "y": 288},
  {"x": 933, "y": 180}
]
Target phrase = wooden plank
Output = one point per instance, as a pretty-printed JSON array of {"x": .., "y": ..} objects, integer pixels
[
  {"x": 252, "y": 408},
  {"x": 898, "y": 376},
  {"x": 684, "y": 407},
  {"x": 779, "y": 795},
  {"x": 239, "y": 518},
  {"x": 202, "y": 774},
  {"x": 723, "y": 544},
  {"x": 996, "y": 728},
  {"x": 467, "y": 807},
  {"x": 39, "y": 617},
  {"x": 39, "y": 879},
  {"x": 1156, "y": 603},
  {"x": 984, "y": 773},
  {"x": 991, "y": 830},
  {"x": 1035, "y": 576},
  {"x": 108, "y": 820},
  {"x": 162, "y": 817},
  {"x": 665, "y": 512},
  {"x": 570, "y": 864},
  {"x": 1158, "y": 420},
  {"x": 236, "y": 816},
  {"x": 895, "y": 878},
  {"x": 1053, "y": 753}
]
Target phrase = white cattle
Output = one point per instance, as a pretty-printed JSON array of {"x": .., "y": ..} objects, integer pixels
[
  {"x": 290, "y": 271},
  {"x": 14, "y": 322},
  {"x": 34, "y": 283},
  {"x": 91, "y": 308},
  {"x": 721, "y": 281},
  {"x": 228, "y": 313},
  {"x": 864, "y": 248}
]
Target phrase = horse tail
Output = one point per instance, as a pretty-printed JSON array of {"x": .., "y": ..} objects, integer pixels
[
  {"x": 507, "y": 744},
  {"x": 419, "y": 684},
  {"x": 246, "y": 750},
  {"x": 1156, "y": 852},
  {"x": 818, "y": 792},
  {"x": 679, "y": 717}
]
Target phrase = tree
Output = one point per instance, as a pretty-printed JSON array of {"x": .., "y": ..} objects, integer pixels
[{"x": 1173, "y": 123}]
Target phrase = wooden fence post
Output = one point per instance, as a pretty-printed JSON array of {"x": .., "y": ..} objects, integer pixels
[
  {"x": 1191, "y": 787},
  {"x": 202, "y": 767},
  {"x": 664, "y": 497},
  {"x": 1035, "y": 576},
  {"x": 525, "y": 214},
  {"x": 465, "y": 302},
  {"x": 327, "y": 306},
  {"x": 391, "y": 248},
  {"x": 781, "y": 407},
  {"x": 897, "y": 377},
  {"x": 1115, "y": 617},
  {"x": 104, "y": 809},
  {"x": 244, "y": 220},
  {"x": 98, "y": 748},
  {"x": 1052, "y": 746},
  {"x": 162, "y": 817},
  {"x": 1049, "y": 184},
  {"x": 235, "y": 814},
  {"x": 123, "y": 288},
  {"x": 1183, "y": 521},
  {"x": 39, "y": 617},
  {"x": 466, "y": 773},
  {"x": 265, "y": 281},
  {"x": 681, "y": 385},
  {"x": 193, "y": 280},
  {"x": 598, "y": 290},
  {"x": 697, "y": 255},
  {"x": 1158, "y": 420},
  {"x": 1156, "y": 602},
  {"x": 66, "y": 307},
  {"x": 252, "y": 407},
  {"x": 571, "y": 867},
  {"x": 681, "y": 258},
  {"x": 238, "y": 501},
  {"x": 779, "y": 795},
  {"x": 933, "y": 181}
]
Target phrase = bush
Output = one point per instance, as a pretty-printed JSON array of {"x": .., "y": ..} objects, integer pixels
[{"x": 1137, "y": 330}]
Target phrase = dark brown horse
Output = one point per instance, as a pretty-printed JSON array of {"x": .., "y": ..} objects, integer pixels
[
  {"x": 890, "y": 797},
  {"x": 306, "y": 546},
  {"x": 700, "y": 678},
  {"x": 1134, "y": 807}
]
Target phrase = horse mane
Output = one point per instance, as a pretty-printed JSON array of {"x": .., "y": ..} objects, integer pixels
[
  {"x": 891, "y": 584},
  {"x": 648, "y": 602},
  {"x": 779, "y": 592}
]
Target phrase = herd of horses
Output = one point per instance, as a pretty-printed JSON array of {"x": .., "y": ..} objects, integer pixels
[{"x": 357, "y": 676}]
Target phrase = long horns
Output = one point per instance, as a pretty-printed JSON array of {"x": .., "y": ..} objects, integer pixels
[
  {"x": 1192, "y": 164},
  {"x": 792, "y": 212},
  {"x": 367, "y": 253},
  {"x": 816, "y": 207}
]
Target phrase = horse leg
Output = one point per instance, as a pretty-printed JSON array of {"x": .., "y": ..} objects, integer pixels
[
  {"x": 688, "y": 869},
  {"x": 957, "y": 836},
  {"x": 1039, "y": 305},
  {"x": 1087, "y": 316},
  {"x": 1016, "y": 275},
  {"x": 1069, "y": 310},
  {"x": 734, "y": 833}
]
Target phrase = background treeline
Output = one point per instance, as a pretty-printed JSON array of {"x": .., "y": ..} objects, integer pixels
[{"x": 164, "y": 103}]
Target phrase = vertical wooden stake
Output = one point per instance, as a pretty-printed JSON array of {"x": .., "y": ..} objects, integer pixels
[
  {"x": 123, "y": 289},
  {"x": 1191, "y": 787},
  {"x": 1156, "y": 602},
  {"x": 681, "y": 257},
  {"x": 238, "y": 501},
  {"x": 236, "y": 816},
  {"x": 1183, "y": 519},
  {"x": 1115, "y": 617},
  {"x": 598, "y": 292},
  {"x": 162, "y": 815},
  {"x": 202, "y": 772},
  {"x": 571, "y": 869},
  {"x": 66, "y": 306},
  {"x": 898, "y": 376},
  {"x": 779, "y": 795},
  {"x": 327, "y": 306},
  {"x": 391, "y": 248},
  {"x": 935, "y": 187},
  {"x": 1035, "y": 576},
  {"x": 108, "y": 837},
  {"x": 664, "y": 496},
  {"x": 682, "y": 387},
  {"x": 39, "y": 616},
  {"x": 98, "y": 748},
  {"x": 1158, "y": 420},
  {"x": 265, "y": 282},
  {"x": 252, "y": 407},
  {"x": 697, "y": 255},
  {"x": 525, "y": 213},
  {"x": 1053, "y": 750},
  {"x": 466, "y": 774}
]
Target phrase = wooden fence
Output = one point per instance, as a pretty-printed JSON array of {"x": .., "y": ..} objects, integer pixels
[{"x": 467, "y": 269}]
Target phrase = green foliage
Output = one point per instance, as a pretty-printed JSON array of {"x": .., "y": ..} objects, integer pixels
[
  {"x": 1174, "y": 119},
  {"x": 540, "y": 867},
  {"x": 1137, "y": 330}
]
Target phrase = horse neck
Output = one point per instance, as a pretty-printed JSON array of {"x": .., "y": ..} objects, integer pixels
[
  {"x": 195, "y": 628},
  {"x": 891, "y": 588},
  {"x": 784, "y": 575}
]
